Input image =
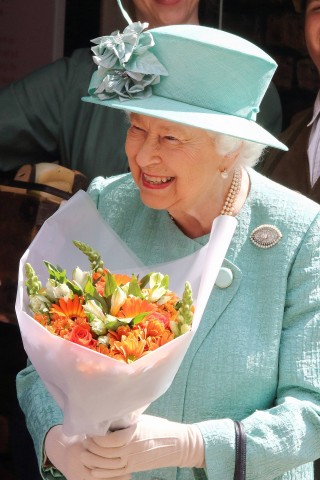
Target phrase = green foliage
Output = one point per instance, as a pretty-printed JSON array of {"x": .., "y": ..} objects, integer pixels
[
  {"x": 56, "y": 272},
  {"x": 32, "y": 282},
  {"x": 134, "y": 288},
  {"x": 93, "y": 256},
  {"x": 110, "y": 284}
]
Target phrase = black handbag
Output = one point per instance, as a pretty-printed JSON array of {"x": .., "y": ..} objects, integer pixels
[{"x": 240, "y": 447}]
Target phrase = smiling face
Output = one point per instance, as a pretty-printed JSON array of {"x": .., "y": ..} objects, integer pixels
[
  {"x": 167, "y": 12},
  {"x": 312, "y": 31},
  {"x": 175, "y": 167}
]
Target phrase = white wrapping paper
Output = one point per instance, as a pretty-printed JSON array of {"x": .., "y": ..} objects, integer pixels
[{"x": 95, "y": 392}]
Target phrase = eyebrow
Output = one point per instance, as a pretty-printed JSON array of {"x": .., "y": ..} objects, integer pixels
[{"x": 172, "y": 129}]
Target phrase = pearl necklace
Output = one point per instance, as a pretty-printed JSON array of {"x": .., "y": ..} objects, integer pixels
[{"x": 228, "y": 207}]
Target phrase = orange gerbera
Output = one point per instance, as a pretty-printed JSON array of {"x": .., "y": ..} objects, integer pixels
[
  {"x": 153, "y": 328},
  {"x": 116, "y": 335},
  {"x": 121, "y": 279},
  {"x": 62, "y": 325},
  {"x": 129, "y": 349},
  {"x": 134, "y": 306},
  {"x": 71, "y": 308},
  {"x": 155, "y": 342}
]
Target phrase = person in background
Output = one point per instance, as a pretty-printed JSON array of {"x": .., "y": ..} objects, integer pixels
[
  {"x": 299, "y": 168},
  {"x": 255, "y": 355}
]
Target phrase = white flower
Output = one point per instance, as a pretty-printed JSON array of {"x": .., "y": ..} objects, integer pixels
[
  {"x": 155, "y": 294},
  {"x": 117, "y": 300},
  {"x": 163, "y": 300},
  {"x": 104, "y": 339},
  {"x": 156, "y": 279},
  {"x": 56, "y": 290},
  {"x": 39, "y": 303},
  {"x": 158, "y": 286},
  {"x": 98, "y": 326},
  {"x": 80, "y": 277},
  {"x": 92, "y": 307}
]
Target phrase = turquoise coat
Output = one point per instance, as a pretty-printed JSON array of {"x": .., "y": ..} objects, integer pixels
[{"x": 256, "y": 354}]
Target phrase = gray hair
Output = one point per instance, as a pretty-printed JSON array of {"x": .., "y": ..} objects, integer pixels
[{"x": 249, "y": 154}]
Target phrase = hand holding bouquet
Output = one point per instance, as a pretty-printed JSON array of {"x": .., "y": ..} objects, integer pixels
[{"x": 116, "y": 315}]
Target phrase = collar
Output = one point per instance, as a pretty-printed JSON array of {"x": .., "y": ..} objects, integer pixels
[{"x": 316, "y": 109}]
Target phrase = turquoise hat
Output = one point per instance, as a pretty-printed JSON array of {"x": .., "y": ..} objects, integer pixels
[{"x": 189, "y": 74}]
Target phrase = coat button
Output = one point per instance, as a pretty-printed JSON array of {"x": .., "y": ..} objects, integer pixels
[{"x": 224, "y": 278}]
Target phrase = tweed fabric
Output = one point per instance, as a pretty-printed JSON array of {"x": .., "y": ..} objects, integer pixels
[{"x": 255, "y": 356}]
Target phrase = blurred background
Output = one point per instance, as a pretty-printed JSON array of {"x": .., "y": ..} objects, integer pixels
[{"x": 37, "y": 32}]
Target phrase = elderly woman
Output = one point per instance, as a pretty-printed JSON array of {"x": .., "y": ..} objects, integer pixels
[{"x": 192, "y": 99}]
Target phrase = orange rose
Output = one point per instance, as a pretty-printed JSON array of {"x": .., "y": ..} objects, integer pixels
[{"x": 81, "y": 335}]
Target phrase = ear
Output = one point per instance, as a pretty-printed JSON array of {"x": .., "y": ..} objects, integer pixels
[{"x": 230, "y": 160}]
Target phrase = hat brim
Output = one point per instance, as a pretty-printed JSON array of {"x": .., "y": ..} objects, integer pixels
[{"x": 198, "y": 117}]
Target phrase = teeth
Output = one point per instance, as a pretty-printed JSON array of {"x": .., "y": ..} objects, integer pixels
[{"x": 157, "y": 180}]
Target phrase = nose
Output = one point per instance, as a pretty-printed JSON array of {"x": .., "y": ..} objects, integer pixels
[{"x": 149, "y": 152}]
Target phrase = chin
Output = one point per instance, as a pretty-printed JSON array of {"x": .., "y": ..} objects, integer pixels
[{"x": 154, "y": 203}]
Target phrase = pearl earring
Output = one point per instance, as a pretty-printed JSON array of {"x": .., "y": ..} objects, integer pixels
[{"x": 224, "y": 174}]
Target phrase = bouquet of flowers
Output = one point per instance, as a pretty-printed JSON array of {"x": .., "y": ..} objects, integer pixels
[
  {"x": 116, "y": 315},
  {"x": 96, "y": 391}
]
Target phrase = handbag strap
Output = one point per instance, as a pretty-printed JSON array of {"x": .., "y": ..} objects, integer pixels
[
  {"x": 39, "y": 187},
  {"x": 240, "y": 447}
]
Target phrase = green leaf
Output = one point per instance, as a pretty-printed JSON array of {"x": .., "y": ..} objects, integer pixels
[
  {"x": 134, "y": 288},
  {"x": 165, "y": 282},
  {"x": 145, "y": 280},
  {"x": 92, "y": 294},
  {"x": 74, "y": 288},
  {"x": 104, "y": 305},
  {"x": 110, "y": 285},
  {"x": 56, "y": 272},
  {"x": 113, "y": 325},
  {"x": 89, "y": 288},
  {"x": 139, "y": 318}
]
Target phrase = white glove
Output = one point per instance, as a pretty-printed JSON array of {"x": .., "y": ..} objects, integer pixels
[
  {"x": 151, "y": 443},
  {"x": 64, "y": 454}
]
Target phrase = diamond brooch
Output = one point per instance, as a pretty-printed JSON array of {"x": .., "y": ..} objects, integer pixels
[{"x": 265, "y": 236}]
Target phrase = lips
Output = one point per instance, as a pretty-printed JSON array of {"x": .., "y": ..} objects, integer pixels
[
  {"x": 167, "y": 2},
  {"x": 154, "y": 181}
]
